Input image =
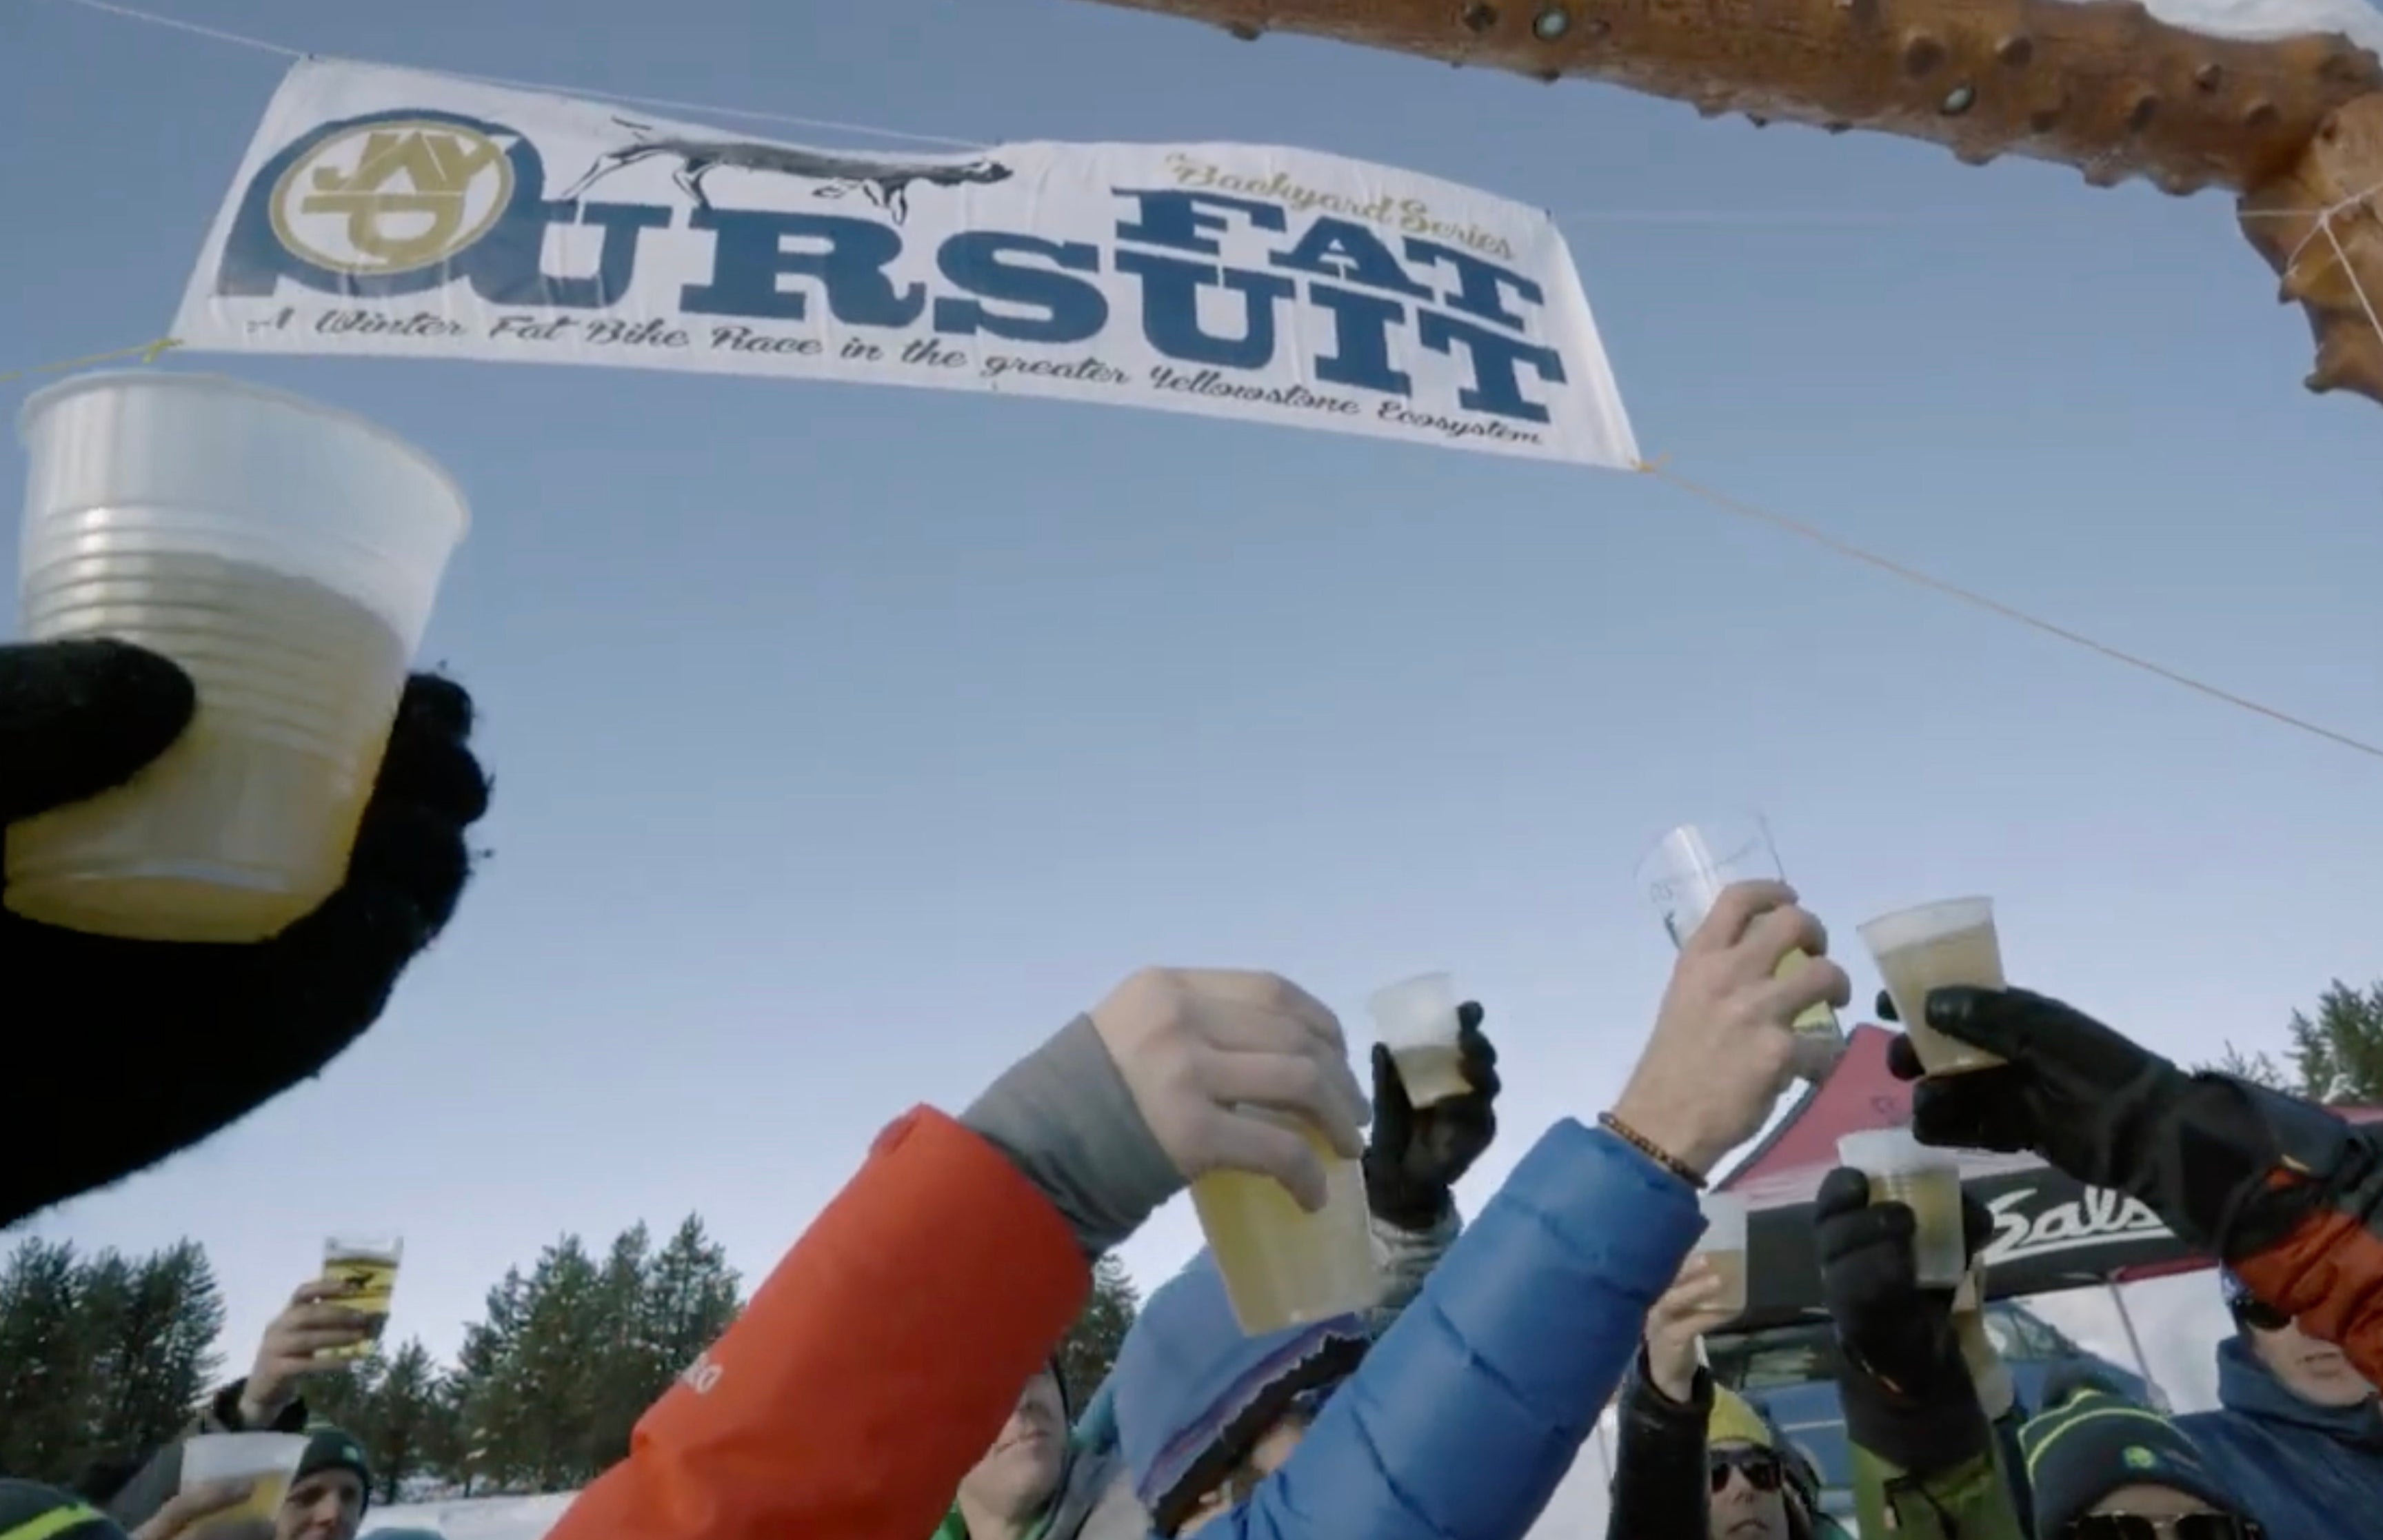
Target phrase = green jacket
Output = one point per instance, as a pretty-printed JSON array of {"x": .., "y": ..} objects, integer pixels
[{"x": 1973, "y": 1500}]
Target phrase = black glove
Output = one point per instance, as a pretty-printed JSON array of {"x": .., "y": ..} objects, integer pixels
[
  {"x": 146, "y": 1047},
  {"x": 1414, "y": 1158},
  {"x": 1907, "y": 1391},
  {"x": 2199, "y": 1150}
]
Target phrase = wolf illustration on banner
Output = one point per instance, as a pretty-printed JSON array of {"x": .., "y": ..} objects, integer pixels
[{"x": 887, "y": 182}]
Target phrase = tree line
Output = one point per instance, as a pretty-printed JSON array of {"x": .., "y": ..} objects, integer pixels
[
  {"x": 2336, "y": 1055},
  {"x": 108, "y": 1358}
]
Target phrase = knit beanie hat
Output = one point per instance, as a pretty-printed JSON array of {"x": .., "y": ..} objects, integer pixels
[
  {"x": 1734, "y": 1421},
  {"x": 30, "y": 1511},
  {"x": 2086, "y": 1448},
  {"x": 330, "y": 1449}
]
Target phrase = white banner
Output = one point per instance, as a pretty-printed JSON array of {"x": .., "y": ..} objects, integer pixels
[{"x": 390, "y": 212}]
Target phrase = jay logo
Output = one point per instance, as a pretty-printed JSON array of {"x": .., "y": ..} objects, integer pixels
[{"x": 391, "y": 197}]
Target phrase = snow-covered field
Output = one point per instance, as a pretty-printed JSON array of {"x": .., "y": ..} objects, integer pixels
[
  {"x": 2178, "y": 1319},
  {"x": 477, "y": 1519}
]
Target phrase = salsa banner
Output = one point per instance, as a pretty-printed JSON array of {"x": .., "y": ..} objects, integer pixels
[{"x": 395, "y": 213}]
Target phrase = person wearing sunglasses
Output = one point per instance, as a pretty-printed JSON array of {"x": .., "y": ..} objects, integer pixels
[
  {"x": 1695, "y": 1460},
  {"x": 2298, "y": 1432},
  {"x": 1744, "y": 1476},
  {"x": 2103, "y": 1468}
]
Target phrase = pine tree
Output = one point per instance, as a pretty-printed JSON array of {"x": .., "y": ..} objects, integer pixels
[
  {"x": 492, "y": 1421},
  {"x": 406, "y": 1436},
  {"x": 105, "y": 1356},
  {"x": 552, "y": 1372},
  {"x": 349, "y": 1395},
  {"x": 1089, "y": 1349},
  {"x": 691, "y": 1299},
  {"x": 2339, "y": 1054},
  {"x": 628, "y": 1361},
  {"x": 2336, "y": 1057},
  {"x": 42, "y": 1431},
  {"x": 149, "y": 1330}
]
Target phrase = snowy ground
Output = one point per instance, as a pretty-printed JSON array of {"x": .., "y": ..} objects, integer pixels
[{"x": 2179, "y": 1320}]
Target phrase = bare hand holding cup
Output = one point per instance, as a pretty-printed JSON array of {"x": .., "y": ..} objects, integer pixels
[{"x": 1724, "y": 1049}]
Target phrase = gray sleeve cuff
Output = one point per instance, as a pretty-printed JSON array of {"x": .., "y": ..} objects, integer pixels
[{"x": 1064, "y": 1117}]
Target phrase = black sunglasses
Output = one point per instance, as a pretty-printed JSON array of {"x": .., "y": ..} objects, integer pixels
[
  {"x": 2260, "y": 1316},
  {"x": 2135, "y": 1526},
  {"x": 1762, "y": 1468}
]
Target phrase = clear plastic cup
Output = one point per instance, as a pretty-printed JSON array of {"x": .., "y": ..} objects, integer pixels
[
  {"x": 364, "y": 1268},
  {"x": 1282, "y": 1265},
  {"x": 265, "y": 1460},
  {"x": 1903, "y": 1170},
  {"x": 1724, "y": 1246},
  {"x": 1930, "y": 947},
  {"x": 1415, "y": 1019},
  {"x": 1684, "y": 874},
  {"x": 287, "y": 556}
]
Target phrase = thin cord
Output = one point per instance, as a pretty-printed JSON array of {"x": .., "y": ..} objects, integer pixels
[
  {"x": 1611, "y": 216},
  {"x": 266, "y": 46},
  {"x": 1995, "y": 607},
  {"x": 1718, "y": 500},
  {"x": 147, "y": 353}
]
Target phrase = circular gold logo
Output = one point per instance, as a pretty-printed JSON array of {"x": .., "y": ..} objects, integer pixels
[{"x": 395, "y": 197}]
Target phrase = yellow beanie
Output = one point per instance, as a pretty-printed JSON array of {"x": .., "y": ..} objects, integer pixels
[{"x": 1733, "y": 1420}]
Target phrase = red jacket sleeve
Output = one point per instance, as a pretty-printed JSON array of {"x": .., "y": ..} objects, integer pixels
[
  {"x": 2328, "y": 1273},
  {"x": 870, "y": 1371}
]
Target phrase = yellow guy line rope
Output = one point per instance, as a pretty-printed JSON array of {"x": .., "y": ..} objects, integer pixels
[
  {"x": 1743, "y": 510},
  {"x": 147, "y": 353}
]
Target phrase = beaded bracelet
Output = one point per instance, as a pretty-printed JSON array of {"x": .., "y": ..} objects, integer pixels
[{"x": 1650, "y": 1149}]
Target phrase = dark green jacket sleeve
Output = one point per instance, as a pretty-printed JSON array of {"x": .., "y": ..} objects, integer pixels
[{"x": 1968, "y": 1501}]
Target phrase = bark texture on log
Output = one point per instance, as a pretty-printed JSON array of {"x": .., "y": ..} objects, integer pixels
[
  {"x": 2098, "y": 84},
  {"x": 2316, "y": 225}
]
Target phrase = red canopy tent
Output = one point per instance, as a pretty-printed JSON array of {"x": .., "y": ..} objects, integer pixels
[{"x": 2051, "y": 1232}]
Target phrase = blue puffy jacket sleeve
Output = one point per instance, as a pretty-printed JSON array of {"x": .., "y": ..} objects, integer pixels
[{"x": 1467, "y": 1412}]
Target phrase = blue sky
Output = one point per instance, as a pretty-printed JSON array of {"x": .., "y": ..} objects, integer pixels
[{"x": 848, "y": 741}]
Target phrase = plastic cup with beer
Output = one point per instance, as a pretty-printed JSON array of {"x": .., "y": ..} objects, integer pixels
[
  {"x": 1902, "y": 1170},
  {"x": 1282, "y": 1265},
  {"x": 362, "y": 1269},
  {"x": 1416, "y": 1022},
  {"x": 1723, "y": 1247},
  {"x": 1683, "y": 877},
  {"x": 265, "y": 1460},
  {"x": 286, "y": 555},
  {"x": 1930, "y": 947}
]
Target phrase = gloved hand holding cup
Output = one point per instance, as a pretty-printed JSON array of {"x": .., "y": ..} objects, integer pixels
[{"x": 285, "y": 555}]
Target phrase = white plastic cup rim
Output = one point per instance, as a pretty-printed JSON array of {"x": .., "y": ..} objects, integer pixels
[
  {"x": 49, "y": 397},
  {"x": 1891, "y": 1152},
  {"x": 209, "y": 1456},
  {"x": 366, "y": 1243},
  {"x": 1417, "y": 1013},
  {"x": 1724, "y": 1216},
  {"x": 1926, "y": 923}
]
